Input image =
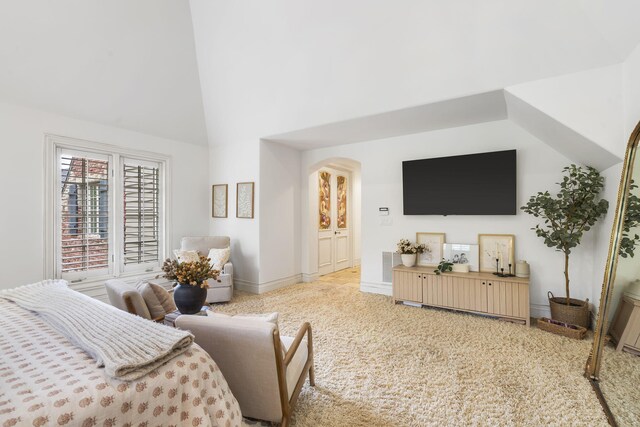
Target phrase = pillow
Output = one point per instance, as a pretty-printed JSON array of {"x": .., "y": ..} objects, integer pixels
[
  {"x": 219, "y": 257},
  {"x": 165, "y": 298},
  {"x": 153, "y": 303},
  {"x": 271, "y": 317},
  {"x": 186, "y": 256}
]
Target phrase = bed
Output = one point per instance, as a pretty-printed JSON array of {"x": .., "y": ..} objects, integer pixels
[{"x": 46, "y": 380}]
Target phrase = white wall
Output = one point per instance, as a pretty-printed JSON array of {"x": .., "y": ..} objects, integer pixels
[
  {"x": 539, "y": 168},
  {"x": 631, "y": 70},
  {"x": 22, "y": 133},
  {"x": 230, "y": 164},
  {"x": 280, "y": 214}
]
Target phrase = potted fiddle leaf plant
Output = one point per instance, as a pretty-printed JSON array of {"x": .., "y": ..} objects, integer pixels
[{"x": 566, "y": 216}]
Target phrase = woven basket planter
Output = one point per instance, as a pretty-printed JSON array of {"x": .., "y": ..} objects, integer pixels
[
  {"x": 577, "y": 313},
  {"x": 561, "y": 328}
]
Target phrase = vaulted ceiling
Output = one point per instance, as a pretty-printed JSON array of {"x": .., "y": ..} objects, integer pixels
[
  {"x": 123, "y": 63},
  {"x": 273, "y": 67}
]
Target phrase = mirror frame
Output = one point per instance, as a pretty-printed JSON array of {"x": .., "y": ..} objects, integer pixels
[{"x": 594, "y": 362}]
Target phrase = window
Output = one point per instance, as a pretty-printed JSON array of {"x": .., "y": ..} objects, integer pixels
[{"x": 107, "y": 211}]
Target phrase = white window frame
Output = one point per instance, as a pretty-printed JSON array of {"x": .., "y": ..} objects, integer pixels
[{"x": 117, "y": 155}]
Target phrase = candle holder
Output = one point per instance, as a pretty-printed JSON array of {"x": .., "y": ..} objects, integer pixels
[{"x": 503, "y": 274}]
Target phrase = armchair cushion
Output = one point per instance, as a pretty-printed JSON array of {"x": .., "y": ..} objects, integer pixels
[
  {"x": 164, "y": 297},
  {"x": 186, "y": 255},
  {"x": 219, "y": 257},
  {"x": 119, "y": 292},
  {"x": 154, "y": 305},
  {"x": 271, "y": 317}
]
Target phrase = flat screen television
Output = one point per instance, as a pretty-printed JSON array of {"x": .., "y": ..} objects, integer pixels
[{"x": 473, "y": 184}]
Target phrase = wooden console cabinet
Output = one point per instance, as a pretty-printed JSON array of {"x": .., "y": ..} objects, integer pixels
[{"x": 483, "y": 293}]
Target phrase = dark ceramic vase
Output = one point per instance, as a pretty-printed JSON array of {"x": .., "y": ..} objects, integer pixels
[{"x": 189, "y": 299}]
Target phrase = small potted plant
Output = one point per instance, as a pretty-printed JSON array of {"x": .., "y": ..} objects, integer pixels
[
  {"x": 191, "y": 292},
  {"x": 409, "y": 251},
  {"x": 567, "y": 216}
]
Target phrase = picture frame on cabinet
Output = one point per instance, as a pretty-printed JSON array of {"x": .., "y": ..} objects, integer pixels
[
  {"x": 494, "y": 247},
  {"x": 434, "y": 243},
  {"x": 462, "y": 253},
  {"x": 219, "y": 200}
]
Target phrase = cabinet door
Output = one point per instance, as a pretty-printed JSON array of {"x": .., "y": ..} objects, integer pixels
[
  {"x": 508, "y": 299},
  {"x": 429, "y": 296},
  {"x": 407, "y": 286},
  {"x": 478, "y": 295}
]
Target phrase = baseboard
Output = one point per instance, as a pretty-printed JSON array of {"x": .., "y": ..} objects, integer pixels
[
  {"x": 540, "y": 310},
  {"x": 279, "y": 283},
  {"x": 356, "y": 262},
  {"x": 376, "y": 288},
  {"x": 261, "y": 288},
  {"x": 310, "y": 277},
  {"x": 247, "y": 286}
]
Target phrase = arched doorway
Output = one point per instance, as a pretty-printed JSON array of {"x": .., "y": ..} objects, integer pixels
[{"x": 332, "y": 215}]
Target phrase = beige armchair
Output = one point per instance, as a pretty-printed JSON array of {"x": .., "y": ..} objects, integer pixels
[
  {"x": 218, "y": 291},
  {"x": 141, "y": 300},
  {"x": 264, "y": 371}
]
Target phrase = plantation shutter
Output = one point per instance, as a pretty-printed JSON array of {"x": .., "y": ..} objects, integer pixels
[
  {"x": 83, "y": 204},
  {"x": 141, "y": 182}
]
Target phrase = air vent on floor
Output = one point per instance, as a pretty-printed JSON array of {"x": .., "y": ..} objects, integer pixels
[{"x": 389, "y": 260}]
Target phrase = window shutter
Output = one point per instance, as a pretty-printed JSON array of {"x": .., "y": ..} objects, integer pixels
[
  {"x": 84, "y": 187},
  {"x": 141, "y": 212}
]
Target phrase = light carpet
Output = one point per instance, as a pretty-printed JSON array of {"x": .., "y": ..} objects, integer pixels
[{"x": 380, "y": 364}]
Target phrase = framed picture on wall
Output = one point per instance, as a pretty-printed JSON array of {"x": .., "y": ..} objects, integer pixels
[
  {"x": 219, "y": 199},
  {"x": 497, "y": 251},
  {"x": 434, "y": 243},
  {"x": 244, "y": 200}
]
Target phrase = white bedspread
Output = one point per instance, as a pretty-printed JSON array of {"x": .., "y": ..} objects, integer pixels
[
  {"x": 128, "y": 346},
  {"x": 45, "y": 380}
]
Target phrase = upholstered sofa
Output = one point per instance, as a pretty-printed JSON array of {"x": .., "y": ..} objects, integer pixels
[{"x": 218, "y": 291}]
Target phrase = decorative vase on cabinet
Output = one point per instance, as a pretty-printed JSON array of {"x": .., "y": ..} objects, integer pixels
[{"x": 408, "y": 260}]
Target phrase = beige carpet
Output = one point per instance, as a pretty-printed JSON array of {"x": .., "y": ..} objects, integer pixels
[
  {"x": 379, "y": 364},
  {"x": 619, "y": 382}
]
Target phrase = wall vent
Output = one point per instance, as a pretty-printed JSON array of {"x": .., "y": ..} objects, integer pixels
[{"x": 389, "y": 260}]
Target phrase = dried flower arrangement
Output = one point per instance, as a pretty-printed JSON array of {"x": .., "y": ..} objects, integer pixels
[
  {"x": 194, "y": 273},
  {"x": 405, "y": 247}
]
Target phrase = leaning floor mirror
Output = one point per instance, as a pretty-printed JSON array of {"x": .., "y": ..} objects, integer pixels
[{"x": 614, "y": 363}]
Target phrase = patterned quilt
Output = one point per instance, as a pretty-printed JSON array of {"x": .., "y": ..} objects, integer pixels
[{"x": 47, "y": 381}]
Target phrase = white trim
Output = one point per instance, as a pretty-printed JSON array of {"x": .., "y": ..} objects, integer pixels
[
  {"x": 356, "y": 262},
  {"x": 261, "y": 288},
  {"x": 245, "y": 285},
  {"x": 279, "y": 283},
  {"x": 310, "y": 277},
  {"x": 52, "y": 143},
  {"x": 377, "y": 288}
]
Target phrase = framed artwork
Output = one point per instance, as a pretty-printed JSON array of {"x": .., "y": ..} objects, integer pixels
[
  {"x": 342, "y": 201},
  {"x": 219, "y": 200},
  {"x": 324, "y": 200},
  {"x": 434, "y": 242},
  {"x": 244, "y": 200},
  {"x": 497, "y": 249},
  {"x": 462, "y": 253}
]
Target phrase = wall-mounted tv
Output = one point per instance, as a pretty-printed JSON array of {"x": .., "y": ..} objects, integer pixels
[{"x": 473, "y": 184}]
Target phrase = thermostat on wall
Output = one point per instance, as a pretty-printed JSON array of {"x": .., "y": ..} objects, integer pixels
[{"x": 383, "y": 211}]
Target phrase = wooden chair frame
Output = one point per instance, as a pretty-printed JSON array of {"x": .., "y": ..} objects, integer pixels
[{"x": 283, "y": 362}]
